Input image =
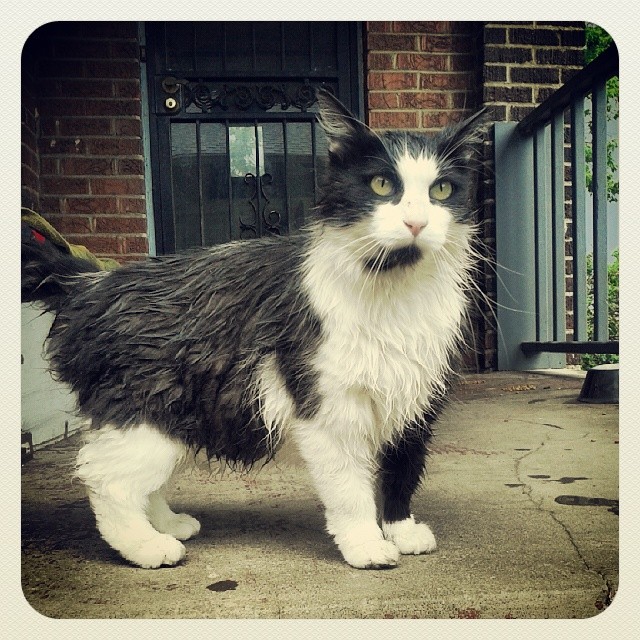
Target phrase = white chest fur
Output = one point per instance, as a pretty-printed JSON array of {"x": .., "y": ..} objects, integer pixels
[{"x": 387, "y": 338}]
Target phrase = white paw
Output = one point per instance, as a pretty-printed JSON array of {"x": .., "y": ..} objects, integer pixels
[
  {"x": 410, "y": 536},
  {"x": 154, "y": 552},
  {"x": 366, "y": 549},
  {"x": 181, "y": 526}
]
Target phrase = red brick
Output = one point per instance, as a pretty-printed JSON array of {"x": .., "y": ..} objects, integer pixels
[
  {"x": 421, "y": 27},
  {"x": 49, "y": 166},
  {"x": 119, "y": 225},
  {"x": 100, "y": 245},
  {"x": 51, "y": 204},
  {"x": 383, "y": 100},
  {"x": 393, "y": 119},
  {"x": 62, "y": 146},
  {"x": 446, "y": 81},
  {"x": 421, "y": 62},
  {"x": 379, "y": 27},
  {"x": 423, "y": 100},
  {"x": 446, "y": 44},
  {"x": 86, "y": 166},
  {"x": 391, "y": 80},
  {"x": 439, "y": 119},
  {"x": 60, "y": 107},
  {"x": 380, "y": 61},
  {"x": 124, "y": 50},
  {"x": 85, "y": 126},
  {"x": 80, "y": 49},
  {"x": 136, "y": 244},
  {"x": 71, "y": 224},
  {"x": 128, "y": 127},
  {"x": 389, "y": 42},
  {"x": 111, "y": 107},
  {"x": 90, "y": 205},
  {"x": 130, "y": 166},
  {"x": 127, "y": 89},
  {"x": 132, "y": 205},
  {"x": 114, "y": 146},
  {"x": 113, "y": 69},
  {"x": 117, "y": 186},
  {"x": 86, "y": 88},
  {"x": 64, "y": 186},
  {"x": 50, "y": 68}
]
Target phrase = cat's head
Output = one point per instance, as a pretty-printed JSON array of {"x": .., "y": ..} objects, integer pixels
[{"x": 401, "y": 192}]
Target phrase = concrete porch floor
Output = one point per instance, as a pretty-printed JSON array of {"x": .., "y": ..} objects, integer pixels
[{"x": 521, "y": 493}]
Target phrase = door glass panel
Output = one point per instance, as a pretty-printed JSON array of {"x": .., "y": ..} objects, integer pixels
[
  {"x": 273, "y": 183},
  {"x": 215, "y": 183},
  {"x": 300, "y": 178},
  {"x": 186, "y": 201}
]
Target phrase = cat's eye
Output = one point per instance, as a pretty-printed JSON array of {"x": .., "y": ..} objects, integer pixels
[
  {"x": 381, "y": 186},
  {"x": 441, "y": 190}
]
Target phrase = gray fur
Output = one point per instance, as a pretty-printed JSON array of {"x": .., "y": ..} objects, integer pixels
[{"x": 176, "y": 341}]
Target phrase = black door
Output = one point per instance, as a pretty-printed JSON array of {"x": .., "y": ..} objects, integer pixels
[{"x": 236, "y": 152}]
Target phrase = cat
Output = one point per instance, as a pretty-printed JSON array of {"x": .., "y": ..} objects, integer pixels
[{"x": 341, "y": 339}]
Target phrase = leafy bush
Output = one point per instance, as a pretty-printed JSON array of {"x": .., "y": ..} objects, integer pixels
[{"x": 613, "y": 285}]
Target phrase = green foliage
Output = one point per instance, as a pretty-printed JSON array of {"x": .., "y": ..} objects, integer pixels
[
  {"x": 597, "y": 41},
  {"x": 613, "y": 300}
]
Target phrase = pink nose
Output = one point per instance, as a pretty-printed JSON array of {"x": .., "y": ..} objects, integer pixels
[{"x": 415, "y": 227}]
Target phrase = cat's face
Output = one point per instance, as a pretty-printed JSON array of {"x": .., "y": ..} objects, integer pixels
[{"x": 399, "y": 192}]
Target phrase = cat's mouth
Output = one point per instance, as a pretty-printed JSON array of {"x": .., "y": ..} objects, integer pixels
[{"x": 387, "y": 259}]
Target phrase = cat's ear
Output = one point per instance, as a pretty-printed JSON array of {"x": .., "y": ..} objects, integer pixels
[
  {"x": 464, "y": 137},
  {"x": 343, "y": 129}
]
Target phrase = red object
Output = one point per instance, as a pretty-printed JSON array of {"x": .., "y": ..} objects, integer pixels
[{"x": 38, "y": 237}]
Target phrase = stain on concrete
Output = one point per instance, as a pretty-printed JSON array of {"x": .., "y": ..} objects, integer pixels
[
  {"x": 223, "y": 585},
  {"x": 583, "y": 501}
]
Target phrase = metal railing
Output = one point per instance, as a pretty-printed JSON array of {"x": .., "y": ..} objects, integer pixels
[{"x": 540, "y": 193}]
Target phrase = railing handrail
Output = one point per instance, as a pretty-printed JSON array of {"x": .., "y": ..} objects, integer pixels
[{"x": 605, "y": 66}]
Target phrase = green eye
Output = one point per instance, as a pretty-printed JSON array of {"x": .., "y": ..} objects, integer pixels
[
  {"x": 381, "y": 186},
  {"x": 441, "y": 190}
]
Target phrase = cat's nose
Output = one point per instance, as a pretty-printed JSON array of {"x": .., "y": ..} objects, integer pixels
[{"x": 415, "y": 227}]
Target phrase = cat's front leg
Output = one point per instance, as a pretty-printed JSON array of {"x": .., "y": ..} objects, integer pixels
[
  {"x": 401, "y": 468},
  {"x": 343, "y": 469}
]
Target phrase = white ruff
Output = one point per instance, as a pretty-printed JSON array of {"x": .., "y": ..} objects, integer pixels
[{"x": 387, "y": 339}]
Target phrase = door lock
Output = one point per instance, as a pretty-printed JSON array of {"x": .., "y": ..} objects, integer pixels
[{"x": 171, "y": 104}]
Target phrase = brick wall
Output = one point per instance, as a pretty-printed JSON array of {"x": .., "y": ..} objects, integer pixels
[
  {"x": 30, "y": 159},
  {"x": 421, "y": 75},
  {"x": 525, "y": 62},
  {"x": 91, "y": 182}
]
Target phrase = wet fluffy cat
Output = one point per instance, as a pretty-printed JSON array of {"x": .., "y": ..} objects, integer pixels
[{"x": 341, "y": 339}]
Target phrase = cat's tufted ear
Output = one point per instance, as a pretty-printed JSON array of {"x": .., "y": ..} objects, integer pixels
[
  {"x": 343, "y": 129},
  {"x": 463, "y": 137}
]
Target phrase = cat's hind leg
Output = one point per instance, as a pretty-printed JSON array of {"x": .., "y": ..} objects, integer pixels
[{"x": 121, "y": 469}]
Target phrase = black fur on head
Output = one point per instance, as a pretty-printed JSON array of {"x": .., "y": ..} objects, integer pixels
[{"x": 357, "y": 153}]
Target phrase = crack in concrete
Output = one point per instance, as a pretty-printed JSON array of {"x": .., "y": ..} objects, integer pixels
[{"x": 608, "y": 589}]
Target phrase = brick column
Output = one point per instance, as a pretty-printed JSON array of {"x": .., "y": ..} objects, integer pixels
[
  {"x": 422, "y": 75},
  {"x": 91, "y": 163}
]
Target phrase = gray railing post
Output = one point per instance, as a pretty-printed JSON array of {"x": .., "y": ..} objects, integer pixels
[{"x": 516, "y": 251}]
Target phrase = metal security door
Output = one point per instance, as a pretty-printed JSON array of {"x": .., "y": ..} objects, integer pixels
[{"x": 236, "y": 151}]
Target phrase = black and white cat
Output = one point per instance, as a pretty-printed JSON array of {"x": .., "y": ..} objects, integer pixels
[{"x": 341, "y": 339}]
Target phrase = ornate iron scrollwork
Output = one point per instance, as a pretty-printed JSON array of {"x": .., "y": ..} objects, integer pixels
[
  {"x": 271, "y": 219},
  {"x": 243, "y": 97}
]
